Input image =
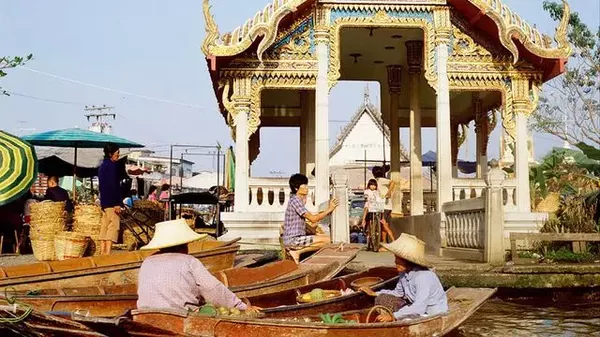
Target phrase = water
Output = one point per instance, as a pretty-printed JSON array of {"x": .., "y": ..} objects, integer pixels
[{"x": 544, "y": 318}]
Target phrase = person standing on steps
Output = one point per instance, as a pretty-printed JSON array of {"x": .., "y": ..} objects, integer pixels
[{"x": 110, "y": 198}]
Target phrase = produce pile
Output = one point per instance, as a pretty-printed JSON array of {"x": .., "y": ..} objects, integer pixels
[
  {"x": 210, "y": 309},
  {"x": 317, "y": 295}
]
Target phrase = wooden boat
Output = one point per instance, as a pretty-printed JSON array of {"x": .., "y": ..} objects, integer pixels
[
  {"x": 462, "y": 302},
  {"x": 115, "y": 269},
  {"x": 276, "y": 304},
  {"x": 37, "y": 324},
  {"x": 248, "y": 283}
]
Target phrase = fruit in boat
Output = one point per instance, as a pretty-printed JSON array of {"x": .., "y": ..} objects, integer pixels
[
  {"x": 235, "y": 312},
  {"x": 208, "y": 309},
  {"x": 306, "y": 297},
  {"x": 317, "y": 294},
  {"x": 223, "y": 311}
]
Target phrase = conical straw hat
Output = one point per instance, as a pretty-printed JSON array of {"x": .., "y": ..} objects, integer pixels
[
  {"x": 172, "y": 233},
  {"x": 410, "y": 248}
]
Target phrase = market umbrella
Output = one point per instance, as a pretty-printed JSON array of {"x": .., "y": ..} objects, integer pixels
[
  {"x": 229, "y": 169},
  {"x": 18, "y": 167},
  {"x": 78, "y": 138}
]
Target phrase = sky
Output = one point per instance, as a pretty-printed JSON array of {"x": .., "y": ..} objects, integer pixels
[{"x": 143, "y": 58}]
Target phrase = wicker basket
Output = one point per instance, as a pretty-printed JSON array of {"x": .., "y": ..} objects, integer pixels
[
  {"x": 327, "y": 295},
  {"x": 42, "y": 244},
  {"x": 69, "y": 245},
  {"x": 88, "y": 219},
  {"x": 365, "y": 281},
  {"x": 47, "y": 216}
]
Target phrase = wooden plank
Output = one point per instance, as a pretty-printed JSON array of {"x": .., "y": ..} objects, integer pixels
[{"x": 556, "y": 236}]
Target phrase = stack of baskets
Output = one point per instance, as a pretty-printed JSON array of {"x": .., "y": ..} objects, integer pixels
[
  {"x": 47, "y": 219},
  {"x": 87, "y": 222}
]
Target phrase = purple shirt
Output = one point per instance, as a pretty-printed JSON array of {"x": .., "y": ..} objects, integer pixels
[
  {"x": 171, "y": 280},
  {"x": 293, "y": 223}
]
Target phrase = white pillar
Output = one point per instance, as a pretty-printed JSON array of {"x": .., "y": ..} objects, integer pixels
[
  {"x": 415, "y": 57},
  {"x": 522, "y": 163},
  {"x": 395, "y": 86},
  {"x": 322, "y": 120},
  {"x": 340, "y": 231},
  {"x": 241, "y": 158},
  {"x": 482, "y": 131},
  {"x": 444, "y": 160},
  {"x": 303, "y": 133}
]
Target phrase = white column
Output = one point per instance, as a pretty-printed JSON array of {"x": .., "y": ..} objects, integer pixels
[
  {"x": 310, "y": 131},
  {"x": 522, "y": 163},
  {"x": 340, "y": 231},
  {"x": 444, "y": 160},
  {"x": 241, "y": 158},
  {"x": 303, "y": 133},
  {"x": 482, "y": 131},
  {"x": 415, "y": 57},
  {"x": 322, "y": 121},
  {"x": 395, "y": 86}
]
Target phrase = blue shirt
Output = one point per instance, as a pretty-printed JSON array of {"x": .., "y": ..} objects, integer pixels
[
  {"x": 109, "y": 184},
  {"x": 423, "y": 289}
]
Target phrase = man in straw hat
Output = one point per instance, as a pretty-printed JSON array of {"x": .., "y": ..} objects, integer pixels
[
  {"x": 170, "y": 278},
  {"x": 418, "y": 286}
]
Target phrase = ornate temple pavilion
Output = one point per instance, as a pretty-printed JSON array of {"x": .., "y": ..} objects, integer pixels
[{"x": 440, "y": 63}]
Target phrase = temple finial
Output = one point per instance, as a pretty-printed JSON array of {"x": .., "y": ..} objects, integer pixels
[
  {"x": 367, "y": 94},
  {"x": 212, "y": 30}
]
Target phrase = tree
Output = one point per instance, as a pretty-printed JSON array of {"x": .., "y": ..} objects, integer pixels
[
  {"x": 8, "y": 62},
  {"x": 571, "y": 109}
]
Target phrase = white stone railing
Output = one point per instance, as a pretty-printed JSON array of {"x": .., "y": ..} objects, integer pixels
[
  {"x": 474, "y": 226},
  {"x": 272, "y": 194},
  {"x": 469, "y": 188},
  {"x": 465, "y": 223}
]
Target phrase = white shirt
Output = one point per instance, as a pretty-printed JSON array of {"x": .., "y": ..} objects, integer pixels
[
  {"x": 383, "y": 186},
  {"x": 374, "y": 202}
]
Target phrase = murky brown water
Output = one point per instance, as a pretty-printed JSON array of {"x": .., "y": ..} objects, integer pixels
[{"x": 544, "y": 318}]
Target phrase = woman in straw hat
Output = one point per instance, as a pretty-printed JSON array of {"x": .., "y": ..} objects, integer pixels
[
  {"x": 419, "y": 291},
  {"x": 173, "y": 279}
]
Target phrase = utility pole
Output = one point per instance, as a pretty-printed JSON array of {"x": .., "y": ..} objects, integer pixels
[{"x": 97, "y": 114}]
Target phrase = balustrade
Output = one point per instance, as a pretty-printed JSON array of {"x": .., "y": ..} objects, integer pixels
[
  {"x": 470, "y": 188},
  {"x": 272, "y": 194},
  {"x": 465, "y": 223}
]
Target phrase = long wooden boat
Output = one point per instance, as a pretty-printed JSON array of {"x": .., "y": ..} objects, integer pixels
[
  {"x": 462, "y": 302},
  {"x": 249, "y": 283},
  {"x": 115, "y": 269},
  {"x": 17, "y": 321}
]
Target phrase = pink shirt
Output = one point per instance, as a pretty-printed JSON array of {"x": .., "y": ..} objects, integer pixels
[
  {"x": 152, "y": 197},
  {"x": 171, "y": 280}
]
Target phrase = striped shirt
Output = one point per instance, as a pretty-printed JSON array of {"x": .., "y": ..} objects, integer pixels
[
  {"x": 293, "y": 223},
  {"x": 174, "y": 281}
]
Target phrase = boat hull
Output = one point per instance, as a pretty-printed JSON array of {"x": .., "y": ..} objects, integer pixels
[{"x": 117, "y": 269}]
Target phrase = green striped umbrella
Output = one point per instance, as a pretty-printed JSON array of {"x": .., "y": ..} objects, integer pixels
[{"x": 18, "y": 167}]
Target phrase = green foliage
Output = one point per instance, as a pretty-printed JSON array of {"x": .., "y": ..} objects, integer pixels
[
  {"x": 571, "y": 110},
  {"x": 335, "y": 319},
  {"x": 8, "y": 62},
  {"x": 565, "y": 255}
]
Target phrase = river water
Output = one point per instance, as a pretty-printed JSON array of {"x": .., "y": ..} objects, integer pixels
[{"x": 539, "y": 317}]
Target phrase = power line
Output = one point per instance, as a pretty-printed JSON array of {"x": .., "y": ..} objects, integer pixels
[
  {"x": 110, "y": 89},
  {"x": 12, "y": 93}
]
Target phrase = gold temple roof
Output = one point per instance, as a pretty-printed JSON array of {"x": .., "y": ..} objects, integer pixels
[{"x": 511, "y": 28}]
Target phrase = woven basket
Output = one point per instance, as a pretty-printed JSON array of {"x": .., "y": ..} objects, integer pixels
[
  {"x": 47, "y": 216},
  {"x": 88, "y": 219},
  {"x": 69, "y": 245},
  {"x": 43, "y": 245},
  {"x": 93, "y": 247}
]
